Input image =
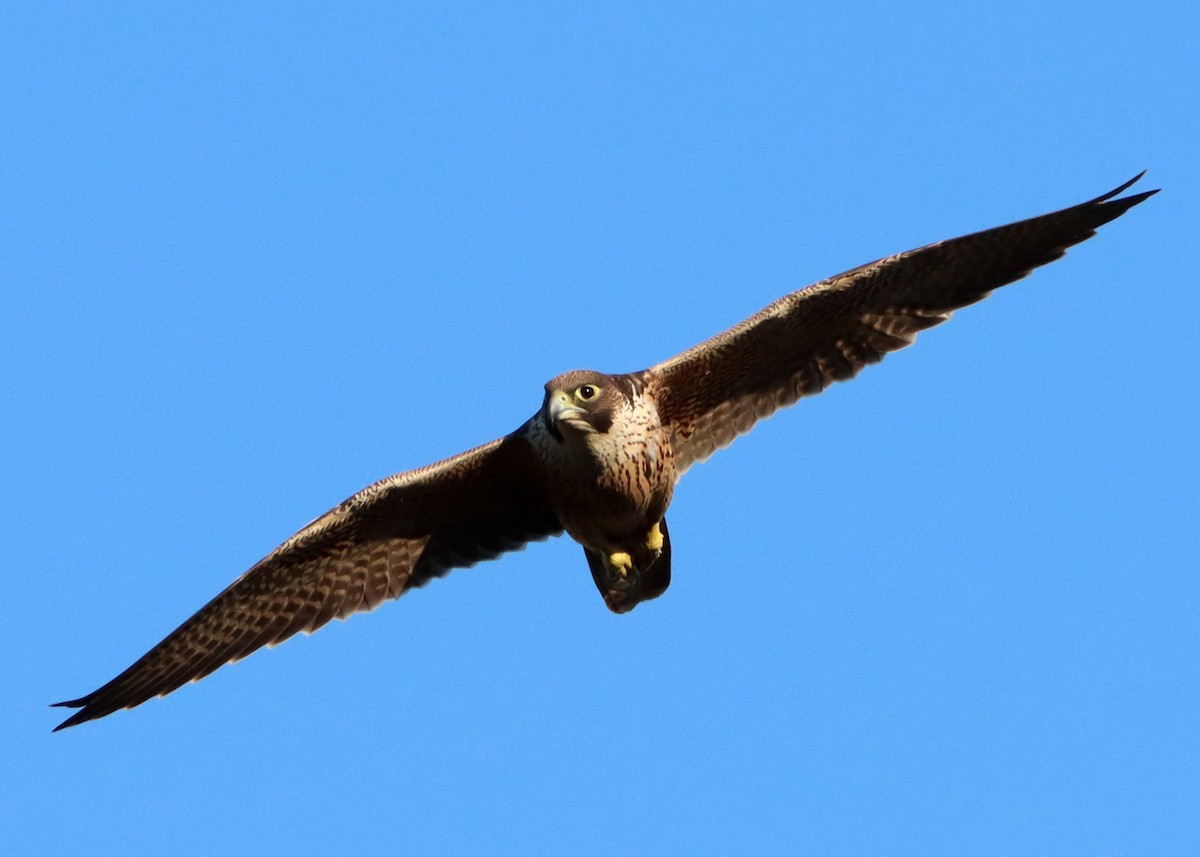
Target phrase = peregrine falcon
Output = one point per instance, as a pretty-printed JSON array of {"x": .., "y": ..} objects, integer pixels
[{"x": 600, "y": 458}]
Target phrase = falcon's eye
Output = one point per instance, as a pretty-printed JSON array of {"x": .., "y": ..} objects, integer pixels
[{"x": 587, "y": 391}]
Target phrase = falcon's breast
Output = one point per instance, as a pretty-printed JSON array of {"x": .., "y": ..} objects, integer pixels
[{"x": 607, "y": 460}]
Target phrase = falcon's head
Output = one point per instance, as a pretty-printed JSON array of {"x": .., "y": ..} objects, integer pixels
[{"x": 582, "y": 402}]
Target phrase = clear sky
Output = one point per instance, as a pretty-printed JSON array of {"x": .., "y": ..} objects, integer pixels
[{"x": 253, "y": 259}]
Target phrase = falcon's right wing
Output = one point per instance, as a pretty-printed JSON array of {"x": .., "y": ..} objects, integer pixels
[{"x": 383, "y": 541}]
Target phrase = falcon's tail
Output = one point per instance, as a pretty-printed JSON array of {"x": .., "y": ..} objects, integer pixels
[{"x": 622, "y": 594}]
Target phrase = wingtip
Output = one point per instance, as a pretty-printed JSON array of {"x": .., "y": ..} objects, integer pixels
[
  {"x": 81, "y": 716},
  {"x": 1138, "y": 197},
  {"x": 1108, "y": 207}
]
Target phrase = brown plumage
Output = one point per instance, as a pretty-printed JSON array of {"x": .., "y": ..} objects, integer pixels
[{"x": 600, "y": 459}]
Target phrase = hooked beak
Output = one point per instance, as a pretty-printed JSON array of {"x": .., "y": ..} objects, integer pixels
[
  {"x": 560, "y": 408},
  {"x": 558, "y": 411}
]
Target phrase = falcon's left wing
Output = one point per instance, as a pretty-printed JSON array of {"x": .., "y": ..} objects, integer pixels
[
  {"x": 827, "y": 332},
  {"x": 383, "y": 541}
]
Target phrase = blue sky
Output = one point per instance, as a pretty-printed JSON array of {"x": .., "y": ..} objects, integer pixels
[{"x": 253, "y": 259}]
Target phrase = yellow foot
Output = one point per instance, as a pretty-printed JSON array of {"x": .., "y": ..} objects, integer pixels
[
  {"x": 620, "y": 562},
  {"x": 654, "y": 539}
]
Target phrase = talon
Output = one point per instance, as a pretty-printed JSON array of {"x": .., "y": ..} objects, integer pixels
[
  {"x": 620, "y": 562},
  {"x": 654, "y": 539}
]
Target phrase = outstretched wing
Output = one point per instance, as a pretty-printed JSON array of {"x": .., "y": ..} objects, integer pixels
[
  {"x": 383, "y": 541},
  {"x": 828, "y": 331}
]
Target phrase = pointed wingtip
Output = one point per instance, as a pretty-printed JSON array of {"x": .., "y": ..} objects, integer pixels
[
  {"x": 1138, "y": 197},
  {"x": 1108, "y": 207},
  {"x": 80, "y": 716}
]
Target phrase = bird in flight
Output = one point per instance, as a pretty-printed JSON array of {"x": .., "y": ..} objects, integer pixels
[{"x": 600, "y": 458}]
